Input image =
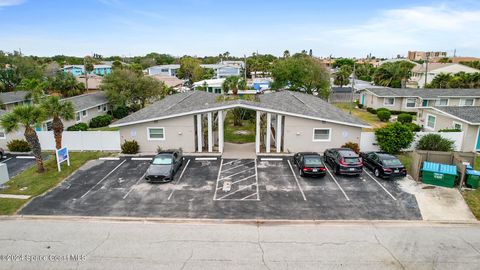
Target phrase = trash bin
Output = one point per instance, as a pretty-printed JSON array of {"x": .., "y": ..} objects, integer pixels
[
  {"x": 473, "y": 178},
  {"x": 439, "y": 174}
]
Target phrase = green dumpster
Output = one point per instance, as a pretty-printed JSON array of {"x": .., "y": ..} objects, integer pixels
[
  {"x": 439, "y": 174},
  {"x": 473, "y": 179}
]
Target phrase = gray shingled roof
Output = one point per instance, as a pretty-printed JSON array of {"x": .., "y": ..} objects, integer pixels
[
  {"x": 424, "y": 93},
  {"x": 12, "y": 97},
  {"x": 86, "y": 101},
  {"x": 286, "y": 102},
  {"x": 470, "y": 114}
]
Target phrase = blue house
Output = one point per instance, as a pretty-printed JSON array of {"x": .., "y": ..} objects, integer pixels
[{"x": 77, "y": 70}]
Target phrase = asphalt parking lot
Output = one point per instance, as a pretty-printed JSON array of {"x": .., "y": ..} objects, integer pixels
[
  {"x": 17, "y": 163},
  {"x": 264, "y": 188}
]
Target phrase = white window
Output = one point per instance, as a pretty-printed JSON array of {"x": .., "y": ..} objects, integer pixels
[
  {"x": 156, "y": 133},
  {"x": 411, "y": 102},
  {"x": 431, "y": 121},
  {"x": 389, "y": 101},
  {"x": 321, "y": 134},
  {"x": 77, "y": 116},
  {"x": 467, "y": 102},
  {"x": 457, "y": 125},
  {"x": 99, "y": 108},
  {"x": 105, "y": 107},
  {"x": 84, "y": 113},
  {"x": 442, "y": 102},
  {"x": 3, "y": 136}
]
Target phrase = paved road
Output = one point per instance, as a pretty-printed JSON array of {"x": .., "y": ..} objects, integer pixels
[{"x": 147, "y": 245}]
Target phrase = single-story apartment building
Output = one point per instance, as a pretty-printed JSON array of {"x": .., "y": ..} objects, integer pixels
[
  {"x": 286, "y": 122},
  {"x": 221, "y": 70},
  {"x": 409, "y": 100},
  {"x": 210, "y": 86},
  {"x": 8, "y": 100},
  {"x": 466, "y": 119}
]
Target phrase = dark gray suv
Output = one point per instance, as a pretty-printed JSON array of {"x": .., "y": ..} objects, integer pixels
[{"x": 344, "y": 161}]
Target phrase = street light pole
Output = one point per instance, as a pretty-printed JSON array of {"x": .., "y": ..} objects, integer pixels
[
  {"x": 353, "y": 89},
  {"x": 426, "y": 72}
]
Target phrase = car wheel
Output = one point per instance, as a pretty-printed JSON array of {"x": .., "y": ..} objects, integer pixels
[
  {"x": 302, "y": 174},
  {"x": 377, "y": 172},
  {"x": 337, "y": 170}
]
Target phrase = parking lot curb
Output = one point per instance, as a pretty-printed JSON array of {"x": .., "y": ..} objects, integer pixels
[{"x": 257, "y": 222}]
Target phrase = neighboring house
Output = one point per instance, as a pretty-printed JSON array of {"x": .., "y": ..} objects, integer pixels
[
  {"x": 418, "y": 72},
  {"x": 410, "y": 100},
  {"x": 260, "y": 84},
  {"x": 87, "y": 106},
  {"x": 170, "y": 81},
  {"x": 293, "y": 122},
  {"x": 211, "y": 86},
  {"x": 77, "y": 70},
  {"x": 220, "y": 70},
  {"x": 94, "y": 81},
  {"x": 393, "y": 60},
  {"x": 421, "y": 55},
  {"x": 466, "y": 119},
  {"x": 8, "y": 100}
]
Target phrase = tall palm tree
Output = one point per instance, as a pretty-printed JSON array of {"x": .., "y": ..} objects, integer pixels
[
  {"x": 27, "y": 116},
  {"x": 58, "y": 110},
  {"x": 233, "y": 83}
]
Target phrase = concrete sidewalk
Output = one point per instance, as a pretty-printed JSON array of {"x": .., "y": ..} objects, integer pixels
[{"x": 141, "y": 245}]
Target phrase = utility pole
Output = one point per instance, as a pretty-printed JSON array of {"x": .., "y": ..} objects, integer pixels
[
  {"x": 245, "y": 67},
  {"x": 426, "y": 71},
  {"x": 353, "y": 88}
]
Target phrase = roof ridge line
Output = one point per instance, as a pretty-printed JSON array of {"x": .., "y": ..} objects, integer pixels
[
  {"x": 310, "y": 107},
  {"x": 171, "y": 106}
]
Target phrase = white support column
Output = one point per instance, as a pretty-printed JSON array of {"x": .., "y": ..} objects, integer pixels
[
  {"x": 269, "y": 132},
  {"x": 210, "y": 132},
  {"x": 199, "y": 133},
  {"x": 220, "y": 131},
  {"x": 278, "y": 137},
  {"x": 257, "y": 133}
]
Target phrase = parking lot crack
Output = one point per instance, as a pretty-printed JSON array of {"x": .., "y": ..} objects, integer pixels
[
  {"x": 99, "y": 244},
  {"x": 261, "y": 248},
  {"x": 389, "y": 251},
  {"x": 187, "y": 260},
  {"x": 30, "y": 240}
]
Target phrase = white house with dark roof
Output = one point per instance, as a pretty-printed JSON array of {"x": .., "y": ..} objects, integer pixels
[
  {"x": 466, "y": 119},
  {"x": 8, "y": 100},
  {"x": 286, "y": 122},
  {"x": 418, "y": 72}
]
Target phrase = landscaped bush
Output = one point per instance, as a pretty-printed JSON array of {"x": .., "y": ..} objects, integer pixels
[
  {"x": 435, "y": 142},
  {"x": 360, "y": 106},
  {"x": 78, "y": 127},
  {"x": 400, "y": 112},
  {"x": 450, "y": 130},
  {"x": 371, "y": 110},
  {"x": 101, "y": 121},
  {"x": 405, "y": 118},
  {"x": 18, "y": 146},
  {"x": 353, "y": 146},
  {"x": 394, "y": 137},
  {"x": 130, "y": 147},
  {"x": 120, "y": 112},
  {"x": 384, "y": 115},
  {"x": 414, "y": 127}
]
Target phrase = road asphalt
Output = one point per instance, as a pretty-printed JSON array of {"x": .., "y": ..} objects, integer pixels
[{"x": 49, "y": 243}]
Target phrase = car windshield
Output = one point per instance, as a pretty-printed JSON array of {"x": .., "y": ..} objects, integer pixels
[
  {"x": 162, "y": 160},
  {"x": 352, "y": 160},
  {"x": 313, "y": 161},
  {"x": 392, "y": 162}
]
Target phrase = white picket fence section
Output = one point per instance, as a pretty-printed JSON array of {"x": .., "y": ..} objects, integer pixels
[
  {"x": 82, "y": 140},
  {"x": 369, "y": 143}
]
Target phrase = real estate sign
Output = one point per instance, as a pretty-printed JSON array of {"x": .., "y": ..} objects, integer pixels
[{"x": 62, "y": 155}]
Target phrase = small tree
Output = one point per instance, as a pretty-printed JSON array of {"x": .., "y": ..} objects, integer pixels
[
  {"x": 405, "y": 118},
  {"x": 384, "y": 115},
  {"x": 435, "y": 142},
  {"x": 394, "y": 137},
  {"x": 58, "y": 111},
  {"x": 353, "y": 146}
]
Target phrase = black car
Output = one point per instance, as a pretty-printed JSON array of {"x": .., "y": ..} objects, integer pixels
[
  {"x": 344, "y": 161},
  {"x": 164, "y": 166},
  {"x": 309, "y": 163},
  {"x": 383, "y": 164}
]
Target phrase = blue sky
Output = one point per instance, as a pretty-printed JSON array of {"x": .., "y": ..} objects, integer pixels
[{"x": 209, "y": 27}]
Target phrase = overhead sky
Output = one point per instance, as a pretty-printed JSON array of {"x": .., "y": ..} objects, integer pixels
[{"x": 383, "y": 28}]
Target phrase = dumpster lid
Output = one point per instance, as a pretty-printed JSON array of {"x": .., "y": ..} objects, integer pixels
[
  {"x": 439, "y": 168},
  {"x": 473, "y": 172}
]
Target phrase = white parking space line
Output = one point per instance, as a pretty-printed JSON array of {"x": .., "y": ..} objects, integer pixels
[
  {"x": 218, "y": 179},
  {"x": 237, "y": 166},
  {"x": 228, "y": 163},
  {"x": 256, "y": 181},
  {"x": 298, "y": 184},
  {"x": 141, "y": 158},
  {"x": 25, "y": 157},
  {"x": 178, "y": 180},
  {"x": 136, "y": 183},
  {"x": 390, "y": 194},
  {"x": 98, "y": 183},
  {"x": 236, "y": 173},
  {"x": 335, "y": 180},
  {"x": 271, "y": 159},
  {"x": 3, "y": 161},
  {"x": 206, "y": 158},
  {"x": 251, "y": 195},
  {"x": 109, "y": 158},
  {"x": 240, "y": 189},
  {"x": 241, "y": 180}
]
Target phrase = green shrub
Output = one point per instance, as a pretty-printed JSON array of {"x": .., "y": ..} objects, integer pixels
[
  {"x": 435, "y": 142},
  {"x": 394, "y": 137},
  {"x": 450, "y": 130},
  {"x": 383, "y": 109},
  {"x": 101, "y": 121},
  {"x": 353, "y": 146},
  {"x": 384, "y": 115},
  {"x": 120, "y": 112},
  {"x": 18, "y": 146},
  {"x": 371, "y": 110},
  {"x": 405, "y": 118},
  {"x": 414, "y": 127},
  {"x": 78, "y": 127},
  {"x": 130, "y": 147}
]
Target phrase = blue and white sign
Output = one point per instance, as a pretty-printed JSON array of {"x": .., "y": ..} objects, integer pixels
[{"x": 62, "y": 155}]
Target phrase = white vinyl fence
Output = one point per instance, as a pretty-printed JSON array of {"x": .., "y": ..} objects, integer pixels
[{"x": 369, "y": 143}]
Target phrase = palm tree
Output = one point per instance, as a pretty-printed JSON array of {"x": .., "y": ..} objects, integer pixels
[
  {"x": 58, "y": 110},
  {"x": 28, "y": 116},
  {"x": 88, "y": 66},
  {"x": 233, "y": 83}
]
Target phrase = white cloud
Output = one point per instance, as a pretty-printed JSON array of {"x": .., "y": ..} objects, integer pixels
[{"x": 7, "y": 3}]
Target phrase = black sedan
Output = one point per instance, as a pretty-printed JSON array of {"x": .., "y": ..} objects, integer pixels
[
  {"x": 164, "y": 166},
  {"x": 309, "y": 163},
  {"x": 384, "y": 165}
]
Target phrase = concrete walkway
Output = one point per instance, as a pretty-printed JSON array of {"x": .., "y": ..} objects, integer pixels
[
  {"x": 239, "y": 150},
  {"x": 140, "y": 245}
]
